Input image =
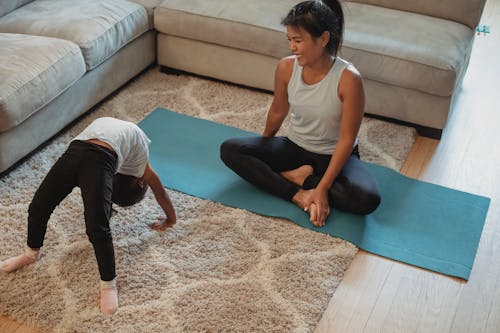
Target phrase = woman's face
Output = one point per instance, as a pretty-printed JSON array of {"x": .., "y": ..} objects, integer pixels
[{"x": 307, "y": 48}]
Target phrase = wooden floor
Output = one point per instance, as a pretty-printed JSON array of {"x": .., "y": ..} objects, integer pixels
[{"x": 381, "y": 295}]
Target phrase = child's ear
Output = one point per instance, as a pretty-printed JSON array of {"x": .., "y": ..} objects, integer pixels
[{"x": 141, "y": 183}]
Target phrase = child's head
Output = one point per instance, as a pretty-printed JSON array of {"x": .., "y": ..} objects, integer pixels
[
  {"x": 316, "y": 17},
  {"x": 128, "y": 190}
]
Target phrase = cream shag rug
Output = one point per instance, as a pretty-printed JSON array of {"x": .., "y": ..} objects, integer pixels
[{"x": 219, "y": 269}]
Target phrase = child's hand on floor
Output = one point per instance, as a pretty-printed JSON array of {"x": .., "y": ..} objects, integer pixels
[{"x": 162, "y": 224}]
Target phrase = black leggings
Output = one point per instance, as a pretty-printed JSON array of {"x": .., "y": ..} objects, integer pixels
[
  {"x": 90, "y": 167},
  {"x": 259, "y": 160}
]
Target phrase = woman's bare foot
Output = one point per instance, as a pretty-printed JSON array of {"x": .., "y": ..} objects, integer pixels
[
  {"x": 299, "y": 175},
  {"x": 17, "y": 262},
  {"x": 301, "y": 198}
]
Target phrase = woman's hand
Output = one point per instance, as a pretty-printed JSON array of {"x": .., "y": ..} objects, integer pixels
[
  {"x": 161, "y": 224},
  {"x": 318, "y": 207}
]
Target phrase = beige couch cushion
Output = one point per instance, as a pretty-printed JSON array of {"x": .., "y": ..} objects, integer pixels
[
  {"x": 467, "y": 12},
  {"x": 417, "y": 52},
  {"x": 6, "y": 6},
  {"x": 247, "y": 25},
  {"x": 99, "y": 28},
  {"x": 34, "y": 70},
  {"x": 150, "y": 6},
  {"x": 406, "y": 49}
]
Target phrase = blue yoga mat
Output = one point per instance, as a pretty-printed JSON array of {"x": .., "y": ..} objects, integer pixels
[{"x": 418, "y": 223}]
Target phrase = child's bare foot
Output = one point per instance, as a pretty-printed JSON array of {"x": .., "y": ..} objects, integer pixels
[
  {"x": 109, "y": 297},
  {"x": 299, "y": 175},
  {"x": 17, "y": 262}
]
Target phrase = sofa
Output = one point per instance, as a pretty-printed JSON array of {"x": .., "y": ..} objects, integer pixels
[
  {"x": 411, "y": 54},
  {"x": 58, "y": 58}
]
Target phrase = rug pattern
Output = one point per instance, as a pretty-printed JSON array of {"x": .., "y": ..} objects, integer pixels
[{"x": 219, "y": 269}]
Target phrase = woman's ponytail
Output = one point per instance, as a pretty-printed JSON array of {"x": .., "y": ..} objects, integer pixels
[{"x": 336, "y": 8}]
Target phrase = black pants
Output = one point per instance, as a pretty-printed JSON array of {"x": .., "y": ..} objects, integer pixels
[
  {"x": 259, "y": 160},
  {"x": 90, "y": 167}
]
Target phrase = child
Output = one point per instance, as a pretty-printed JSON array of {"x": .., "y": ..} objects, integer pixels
[
  {"x": 317, "y": 165},
  {"x": 109, "y": 161}
]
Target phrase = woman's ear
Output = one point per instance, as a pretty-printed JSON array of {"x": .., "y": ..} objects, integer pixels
[{"x": 325, "y": 38}]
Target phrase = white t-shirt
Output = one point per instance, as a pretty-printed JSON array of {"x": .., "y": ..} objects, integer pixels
[{"x": 128, "y": 141}]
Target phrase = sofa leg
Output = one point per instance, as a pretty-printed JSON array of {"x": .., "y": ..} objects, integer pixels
[
  {"x": 429, "y": 132},
  {"x": 433, "y": 133},
  {"x": 169, "y": 70}
]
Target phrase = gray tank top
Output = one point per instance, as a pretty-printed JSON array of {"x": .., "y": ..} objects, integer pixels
[{"x": 315, "y": 109}]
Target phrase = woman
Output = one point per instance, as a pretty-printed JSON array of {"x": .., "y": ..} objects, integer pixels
[{"x": 317, "y": 165}]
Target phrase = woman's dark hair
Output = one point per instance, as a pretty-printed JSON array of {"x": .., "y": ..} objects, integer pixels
[
  {"x": 316, "y": 17},
  {"x": 126, "y": 190}
]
